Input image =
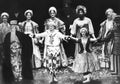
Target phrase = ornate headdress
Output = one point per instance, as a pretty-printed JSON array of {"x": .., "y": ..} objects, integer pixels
[
  {"x": 81, "y": 7},
  {"x": 53, "y": 9},
  {"x": 28, "y": 11},
  {"x": 109, "y": 10},
  {"x": 83, "y": 29},
  {"x": 4, "y": 14}
]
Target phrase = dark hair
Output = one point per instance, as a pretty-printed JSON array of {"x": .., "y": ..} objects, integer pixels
[
  {"x": 30, "y": 13},
  {"x": 53, "y": 11},
  {"x": 80, "y": 10}
]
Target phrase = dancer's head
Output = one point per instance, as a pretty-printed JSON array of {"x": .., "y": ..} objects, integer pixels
[
  {"x": 28, "y": 14},
  {"x": 4, "y": 16},
  {"x": 52, "y": 11},
  {"x": 84, "y": 32},
  {"x": 81, "y": 11},
  {"x": 13, "y": 24},
  {"x": 109, "y": 13}
]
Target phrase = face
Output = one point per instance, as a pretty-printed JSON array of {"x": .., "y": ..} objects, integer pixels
[
  {"x": 5, "y": 18},
  {"x": 28, "y": 16},
  {"x": 109, "y": 15},
  {"x": 52, "y": 13},
  {"x": 51, "y": 27},
  {"x": 80, "y": 12},
  {"x": 83, "y": 33},
  {"x": 13, "y": 27}
]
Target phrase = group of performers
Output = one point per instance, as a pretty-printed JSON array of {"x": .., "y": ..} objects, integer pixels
[{"x": 21, "y": 52}]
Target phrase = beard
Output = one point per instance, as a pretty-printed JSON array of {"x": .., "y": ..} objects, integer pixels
[{"x": 81, "y": 17}]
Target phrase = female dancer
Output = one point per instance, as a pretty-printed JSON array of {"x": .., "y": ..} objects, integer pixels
[
  {"x": 85, "y": 61},
  {"x": 18, "y": 53},
  {"x": 30, "y": 27},
  {"x": 4, "y": 29},
  {"x": 79, "y": 23}
]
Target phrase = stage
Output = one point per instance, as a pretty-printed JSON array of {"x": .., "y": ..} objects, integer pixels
[{"x": 67, "y": 77}]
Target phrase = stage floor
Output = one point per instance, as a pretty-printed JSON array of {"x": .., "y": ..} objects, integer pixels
[{"x": 67, "y": 77}]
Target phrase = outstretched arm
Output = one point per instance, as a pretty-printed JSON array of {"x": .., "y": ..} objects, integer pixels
[
  {"x": 39, "y": 35},
  {"x": 93, "y": 39},
  {"x": 73, "y": 38}
]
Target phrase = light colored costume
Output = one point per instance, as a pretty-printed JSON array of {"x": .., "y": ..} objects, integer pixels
[
  {"x": 52, "y": 51},
  {"x": 59, "y": 26},
  {"x": 86, "y": 60}
]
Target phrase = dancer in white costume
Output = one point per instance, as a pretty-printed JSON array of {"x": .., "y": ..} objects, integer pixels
[
  {"x": 59, "y": 26},
  {"x": 52, "y": 51}
]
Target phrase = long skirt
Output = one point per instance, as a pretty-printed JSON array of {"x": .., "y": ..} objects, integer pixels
[
  {"x": 36, "y": 59},
  {"x": 85, "y": 62},
  {"x": 15, "y": 52}
]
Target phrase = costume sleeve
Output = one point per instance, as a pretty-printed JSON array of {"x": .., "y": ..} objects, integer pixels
[
  {"x": 73, "y": 28},
  {"x": 35, "y": 24},
  {"x": 61, "y": 26},
  {"x": 61, "y": 36},
  {"x": 109, "y": 36},
  {"x": 41, "y": 35},
  {"x": 91, "y": 30}
]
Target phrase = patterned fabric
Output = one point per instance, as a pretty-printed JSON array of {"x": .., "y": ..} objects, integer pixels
[
  {"x": 15, "y": 52},
  {"x": 59, "y": 24},
  {"x": 106, "y": 27},
  {"x": 52, "y": 60},
  {"x": 54, "y": 41},
  {"x": 85, "y": 62}
]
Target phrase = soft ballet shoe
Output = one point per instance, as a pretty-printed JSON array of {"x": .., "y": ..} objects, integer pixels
[{"x": 87, "y": 77}]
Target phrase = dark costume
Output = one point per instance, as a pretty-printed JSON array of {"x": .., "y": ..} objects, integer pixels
[{"x": 25, "y": 56}]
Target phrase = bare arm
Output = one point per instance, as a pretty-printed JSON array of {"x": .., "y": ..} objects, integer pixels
[
  {"x": 93, "y": 39},
  {"x": 73, "y": 38}
]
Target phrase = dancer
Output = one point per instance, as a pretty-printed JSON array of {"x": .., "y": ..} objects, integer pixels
[
  {"x": 59, "y": 23},
  {"x": 80, "y": 22},
  {"x": 106, "y": 26},
  {"x": 85, "y": 61},
  {"x": 52, "y": 51},
  {"x": 30, "y": 27},
  {"x": 4, "y": 29},
  {"x": 18, "y": 53},
  {"x": 59, "y": 26}
]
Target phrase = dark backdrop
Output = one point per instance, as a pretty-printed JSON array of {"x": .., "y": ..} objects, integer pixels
[{"x": 95, "y": 11}]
